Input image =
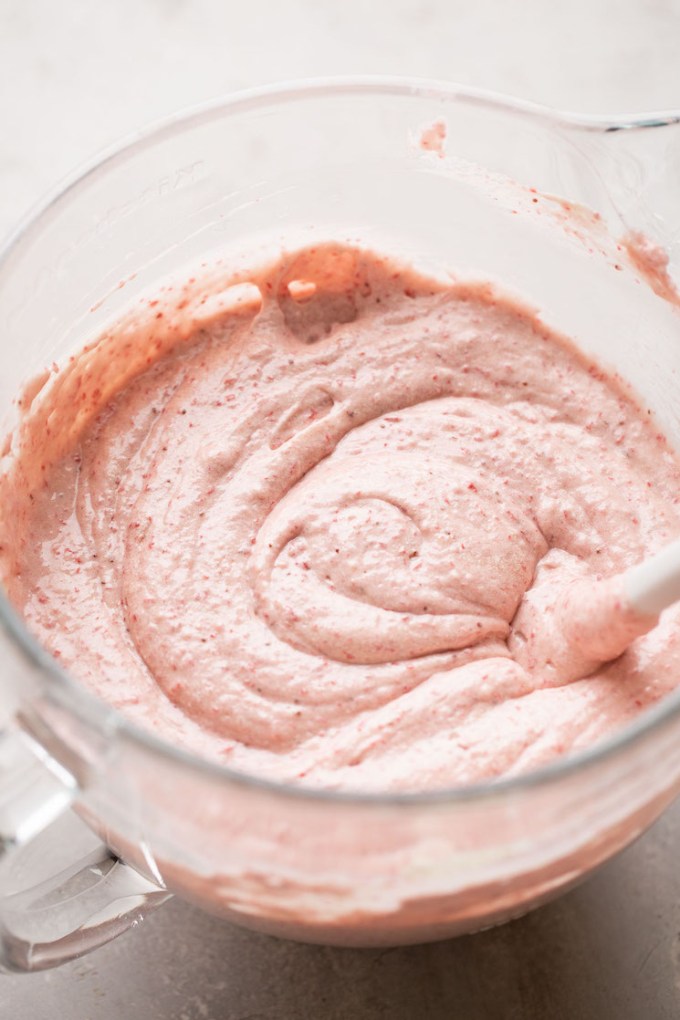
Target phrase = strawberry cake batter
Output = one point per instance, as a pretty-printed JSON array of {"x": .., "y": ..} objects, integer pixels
[{"x": 305, "y": 524}]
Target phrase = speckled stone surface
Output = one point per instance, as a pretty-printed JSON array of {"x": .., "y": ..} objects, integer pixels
[{"x": 75, "y": 77}]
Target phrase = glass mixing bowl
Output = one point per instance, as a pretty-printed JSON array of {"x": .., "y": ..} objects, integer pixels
[{"x": 100, "y": 821}]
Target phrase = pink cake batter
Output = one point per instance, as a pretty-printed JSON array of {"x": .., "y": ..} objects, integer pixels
[{"x": 306, "y": 529}]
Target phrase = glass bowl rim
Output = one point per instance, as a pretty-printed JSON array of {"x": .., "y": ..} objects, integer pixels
[{"x": 112, "y": 720}]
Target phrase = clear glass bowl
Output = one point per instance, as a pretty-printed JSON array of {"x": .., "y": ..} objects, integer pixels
[{"x": 326, "y": 159}]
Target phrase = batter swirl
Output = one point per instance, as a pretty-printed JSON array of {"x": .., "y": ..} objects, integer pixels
[{"x": 293, "y": 530}]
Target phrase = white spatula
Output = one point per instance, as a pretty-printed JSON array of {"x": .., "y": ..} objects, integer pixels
[{"x": 594, "y": 622}]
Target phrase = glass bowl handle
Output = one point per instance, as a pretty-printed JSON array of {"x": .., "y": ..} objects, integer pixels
[{"x": 52, "y": 911}]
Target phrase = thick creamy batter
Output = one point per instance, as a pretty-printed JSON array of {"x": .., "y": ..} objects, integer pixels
[{"x": 303, "y": 526}]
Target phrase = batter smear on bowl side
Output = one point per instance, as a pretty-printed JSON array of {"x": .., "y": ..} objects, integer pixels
[{"x": 302, "y": 525}]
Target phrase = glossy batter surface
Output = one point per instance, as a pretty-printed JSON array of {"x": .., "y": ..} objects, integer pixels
[{"x": 291, "y": 526}]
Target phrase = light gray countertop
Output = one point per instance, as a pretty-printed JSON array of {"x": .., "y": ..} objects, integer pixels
[{"x": 74, "y": 77}]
